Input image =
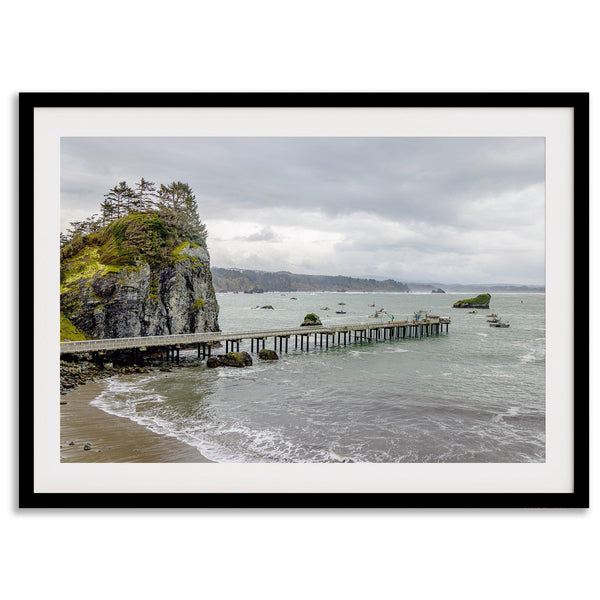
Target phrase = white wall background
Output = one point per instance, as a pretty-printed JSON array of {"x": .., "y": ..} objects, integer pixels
[{"x": 286, "y": 46}]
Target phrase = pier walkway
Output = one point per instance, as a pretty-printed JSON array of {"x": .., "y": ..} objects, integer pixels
[{"x": 323, "y": 336}]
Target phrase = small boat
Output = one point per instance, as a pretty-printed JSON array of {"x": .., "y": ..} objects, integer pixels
[
  {"x": 372, "y": 305},
  {"x": 324, "y": 308},
  {"x": 341, "y": 303},
  {"x": 472, "y": 312},
  {"x": 500, "y": 324},
  {"x": 494, "y": 320},
  {"x": 293, "y": 298},
  {"x": 492, "y": 315},
  {"x": 340, "y": 312}
]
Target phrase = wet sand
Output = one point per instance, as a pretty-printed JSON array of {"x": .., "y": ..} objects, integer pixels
[{"x": 113, "y": 439}]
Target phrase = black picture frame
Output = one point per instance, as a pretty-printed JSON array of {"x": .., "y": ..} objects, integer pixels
[{"x": 579, "y": 498}]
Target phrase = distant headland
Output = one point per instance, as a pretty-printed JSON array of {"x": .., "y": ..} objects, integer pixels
[
  {"x": 255, "y": 282},
  {"x": 249, "y": 281}
]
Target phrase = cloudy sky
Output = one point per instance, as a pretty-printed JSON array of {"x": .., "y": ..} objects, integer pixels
[{"x": 456, "y": 210}]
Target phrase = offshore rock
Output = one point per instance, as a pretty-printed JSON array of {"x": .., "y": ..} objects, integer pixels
[
  {"x": 481, "y": 301},
  {"x": 311, "y": 320},
  {"x": 267, "y": 354},
  {"x": 231, "y": 359}
]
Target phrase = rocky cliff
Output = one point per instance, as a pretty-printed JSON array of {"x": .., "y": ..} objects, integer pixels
[{"x": 136, "y": 277}]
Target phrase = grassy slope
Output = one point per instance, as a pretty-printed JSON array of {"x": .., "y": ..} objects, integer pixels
[{"x": 68, "y": 331}]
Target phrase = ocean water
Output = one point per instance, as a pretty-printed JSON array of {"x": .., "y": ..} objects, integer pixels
[{"x": 476, "y": 394}]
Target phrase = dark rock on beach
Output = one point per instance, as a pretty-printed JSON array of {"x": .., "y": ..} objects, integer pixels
[{"x": 81, "y": 369}]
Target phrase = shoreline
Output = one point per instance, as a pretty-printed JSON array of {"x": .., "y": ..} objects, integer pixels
[{"x": 113, "y": 439}]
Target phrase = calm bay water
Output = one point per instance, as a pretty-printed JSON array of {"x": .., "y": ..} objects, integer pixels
[{"x": 474, "y": 395}]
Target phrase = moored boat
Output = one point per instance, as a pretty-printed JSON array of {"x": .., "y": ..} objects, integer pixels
[{"x": 500, "y": 324}]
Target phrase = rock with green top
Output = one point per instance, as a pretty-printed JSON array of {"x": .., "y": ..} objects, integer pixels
[
  {"x": 481, "y": 301},
  {"x": 266, "y": 354},
  {"x": 231, "y": 359},
  {"x": 311, "y": 320}
]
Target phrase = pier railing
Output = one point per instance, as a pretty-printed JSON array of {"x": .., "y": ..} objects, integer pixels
[{"x": 185, "y": 339}]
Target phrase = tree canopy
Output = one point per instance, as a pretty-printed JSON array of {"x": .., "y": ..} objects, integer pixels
[{"x": 175, "y": 203}]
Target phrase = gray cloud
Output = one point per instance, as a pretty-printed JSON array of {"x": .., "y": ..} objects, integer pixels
[
  {"x": 415, "y": 198},
  {"x": 266, "y": 234}
]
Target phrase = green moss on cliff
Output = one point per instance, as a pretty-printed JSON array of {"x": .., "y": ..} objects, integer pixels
[
  {"x": 199, "y": 303},
  {"x": 134, "y": 237},
  {"x": 84, "y": 266},
  {"x": 124, "y": 243},
  {"x": 183, "y": 246},
  {"x": 179, "y": 255},
  {"x": 68, "y": 331}
]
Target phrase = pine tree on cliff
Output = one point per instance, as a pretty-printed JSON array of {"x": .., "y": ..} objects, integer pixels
[
  {"x": 176, "y": 196},
  {"x": 107, "y": 211},
  {"x": 178, "y": 203},
  {"x": 120, "y": 198},
  {"x": 145, "y": 194}
]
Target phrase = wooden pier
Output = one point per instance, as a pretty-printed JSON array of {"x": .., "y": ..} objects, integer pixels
[{"x": 320, "y": 336}]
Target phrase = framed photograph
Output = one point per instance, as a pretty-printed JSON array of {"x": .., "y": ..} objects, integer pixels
[{"x": 304, "y": 300}]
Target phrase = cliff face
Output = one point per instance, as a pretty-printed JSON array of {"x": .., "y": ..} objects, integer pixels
[{"x": 170, "y": 295}]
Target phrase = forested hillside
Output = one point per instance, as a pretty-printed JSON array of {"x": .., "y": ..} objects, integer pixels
[{"x": 245, "y": 280}]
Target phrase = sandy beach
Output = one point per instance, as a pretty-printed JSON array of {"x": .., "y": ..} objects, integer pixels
[{"x": 113, "y": 439}]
